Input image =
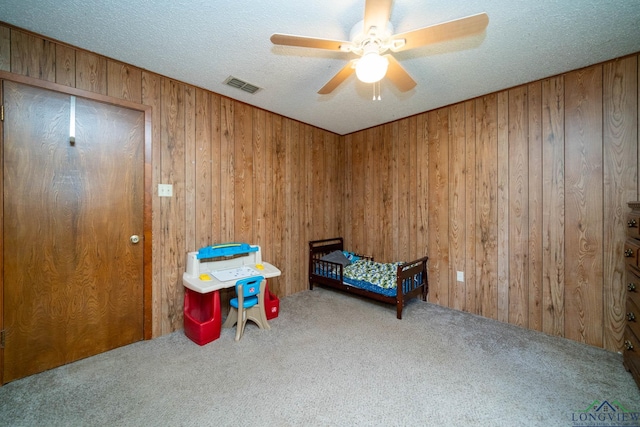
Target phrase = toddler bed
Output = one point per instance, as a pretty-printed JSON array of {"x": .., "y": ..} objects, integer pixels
[{"x": 391, "y": 283}]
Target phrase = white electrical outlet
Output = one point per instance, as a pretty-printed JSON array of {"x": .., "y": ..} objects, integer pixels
[
  {"x": 165, "y": 190},
  {"x": 460, "y": 276}
]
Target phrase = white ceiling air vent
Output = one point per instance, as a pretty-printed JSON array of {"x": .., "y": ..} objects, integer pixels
[{"x": 242, "y": 85}]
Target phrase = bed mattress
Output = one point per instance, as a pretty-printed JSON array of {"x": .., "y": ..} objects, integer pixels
[{"x": 369, "y": 275}]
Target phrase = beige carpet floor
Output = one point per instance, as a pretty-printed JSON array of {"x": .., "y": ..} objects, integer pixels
[{"x": 332, "y": 359}]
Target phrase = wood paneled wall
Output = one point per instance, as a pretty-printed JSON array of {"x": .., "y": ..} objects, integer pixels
[
  {"x": 238, "y": 173},
  {"x": 524, "y": 190}
]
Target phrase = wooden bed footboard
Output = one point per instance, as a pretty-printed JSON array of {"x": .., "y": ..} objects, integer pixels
[
  {"x": 411, "y": 276},
  {"x": 412, "y": 282}
]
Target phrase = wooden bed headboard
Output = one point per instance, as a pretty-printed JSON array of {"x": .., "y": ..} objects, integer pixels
[{"x": 319, "y": 248}]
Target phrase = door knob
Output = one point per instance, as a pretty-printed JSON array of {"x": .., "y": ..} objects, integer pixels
[{"x": 134, "y": 239}]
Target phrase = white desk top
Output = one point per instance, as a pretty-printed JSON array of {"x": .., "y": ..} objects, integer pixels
[{"x": 194, "y": 282}]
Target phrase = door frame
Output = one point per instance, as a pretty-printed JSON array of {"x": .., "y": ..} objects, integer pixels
[{"x": 147, "y": 298}]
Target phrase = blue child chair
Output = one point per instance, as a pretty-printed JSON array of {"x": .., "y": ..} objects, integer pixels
[{"x": 248, "y": 305}]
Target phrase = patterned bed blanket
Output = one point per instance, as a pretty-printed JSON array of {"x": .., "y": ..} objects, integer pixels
[{"x": 372, "y": 276}]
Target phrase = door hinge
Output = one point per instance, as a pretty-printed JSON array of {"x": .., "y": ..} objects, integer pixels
[
  {"x": 1, "y": 113},
  {"x": 2, "y": 334}
]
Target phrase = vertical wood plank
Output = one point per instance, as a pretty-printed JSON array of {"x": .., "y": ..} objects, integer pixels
[
  {"x": 190, "y": 177},
  {"x": 227, "y": 170},
  {"x": 383, "y": 241},
  {"x": 172, "y": 216},
  {"x": 302, "y": 185},
  {"x": 470, "y": 266},
  {"x": 518, "y": 207},
  {"x": 584, "y": 199},
  {"x": 457, "y": 205},
  {"x": 321, "y": 179},
  {"x": 271, "y": 235},
  {"x": 371, "y": 139},
  {"x": 123, "y": 81},
  {"x": 292, "y": 233},
  {"x": 243, "y": 174},
  {"x": 503, "y": 207},
  {"x": 357, "y": 223},
  {"x": 349, "y": 178},
  {"x": 287, "y": 201},
  {"x": 414, "y": 250},
  {"x": 391, "y": 209},
  {"x": 553, "y": 202},
  {"x": 534, "y": 110},
  {"x": 33, "y": 56},
  {"x": 439, "y": 206},
  {"x": 151, "y": 95},
  {"x": 337, "y": 190},
  {"x": 279, "y": 208},
  {"x": 317, "y": 190},
  {"x": 297, "y": 242},
  {"x": 259, "y": 185},
  {"x": 620, "y": 142},
  {"x": 388, "y": 210},
  {"x": 91, "y": 72},
  {"x": 5, "y": 48},
  {"x": 486, "y": 206},
  {"x": 330, "y": 176},
  {"x": 66, "y": 66},
  {"x": 345, "y": 168},
  {"x": 403, "y": 195},
  {"x": 216, "y": 169},
  {"x": 203, "y": 160},
  {"x": 307, "y": 201},
  {"x": 369, "y": 200},
  {"x": 422, "y": 188}
]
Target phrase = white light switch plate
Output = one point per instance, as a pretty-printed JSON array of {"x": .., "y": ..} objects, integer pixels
[
  {"x": 460, "y": 276},
  {"x": 165, "y": 190}
]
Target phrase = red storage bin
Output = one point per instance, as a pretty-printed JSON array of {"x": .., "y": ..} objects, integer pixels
[
  {"x": 271, "y": 303},
  {"x": 202, "y": 318}
]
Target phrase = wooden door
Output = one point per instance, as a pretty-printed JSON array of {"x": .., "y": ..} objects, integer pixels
[{"x": 73, "y": 279}]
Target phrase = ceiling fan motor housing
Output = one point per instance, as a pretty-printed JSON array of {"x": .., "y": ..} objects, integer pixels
[{"x": 363, "y": 42}]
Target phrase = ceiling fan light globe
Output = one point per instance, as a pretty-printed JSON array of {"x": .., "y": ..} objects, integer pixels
[{"x": 371, "y": 67}]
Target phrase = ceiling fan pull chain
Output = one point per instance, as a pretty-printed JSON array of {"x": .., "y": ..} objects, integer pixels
[{"x": 376, "y": 85}]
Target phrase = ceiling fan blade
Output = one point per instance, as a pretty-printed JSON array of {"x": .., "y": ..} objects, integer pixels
[
  {"x": 341, "y": 76},
  {"x": 376, "y": 14},
  {"x": 301, "y": 41},
  {"x": 442, "y": 32},
  {"x": 398, "y": 75}
]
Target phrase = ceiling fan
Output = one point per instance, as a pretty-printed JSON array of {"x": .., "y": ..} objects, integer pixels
[{"x": 373, "y": 36}]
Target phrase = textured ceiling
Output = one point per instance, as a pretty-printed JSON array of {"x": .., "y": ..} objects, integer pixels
[{"x": 202, "y": 42}]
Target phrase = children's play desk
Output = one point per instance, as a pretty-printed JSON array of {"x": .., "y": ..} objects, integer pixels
[{"x": 213, "y": 268}]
